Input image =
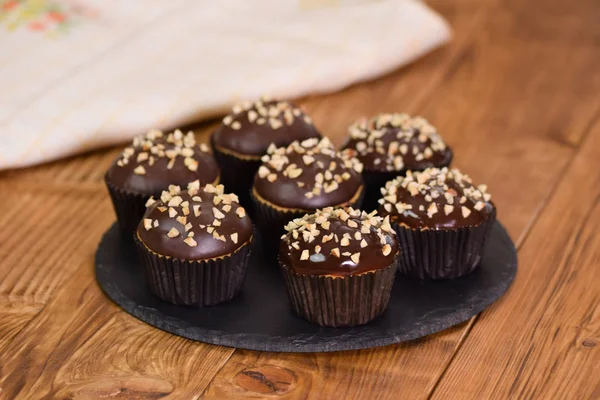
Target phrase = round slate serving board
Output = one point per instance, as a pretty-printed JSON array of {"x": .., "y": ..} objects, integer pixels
[{"x": 260, "y": 318}]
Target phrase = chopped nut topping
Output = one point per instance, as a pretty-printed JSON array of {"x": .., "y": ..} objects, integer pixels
[
  {"x": 387, "y": 249},
  {"x": 305, "y": 255},
  {"x": 318, "y": 157},
  {"x": 430, "y": 184},
  {"x": 217, "y": 213},
  {"x": 190, "y": 242},
  {"x": 147, "y": 224},
  {"x": 465, "y": 212},
  {"x": 308, "y": 229},
  {"x": 394, "y": 137},
  {"x": 173, "y": 233},
  {"x": 234, "y": 237},
  {"x": 139, "y": 170}
]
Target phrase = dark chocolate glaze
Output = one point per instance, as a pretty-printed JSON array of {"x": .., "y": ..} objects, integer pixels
[
  {"x": 375, "y": 161},
  {"x": 324, "y": 263},
  {"x": 419, "y": 219},
  {"x": 156, "y": 239},
  {"x": 285, "y": 192},
  {"x": 158, "y": 177},
  {"x": 253, "y": 139}
]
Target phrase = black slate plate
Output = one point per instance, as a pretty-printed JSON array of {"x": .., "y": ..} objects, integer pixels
[{"x": 260, "y": 318}]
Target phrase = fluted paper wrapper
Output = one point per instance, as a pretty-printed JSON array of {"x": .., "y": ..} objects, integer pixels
[
  {"x": 442, "y": 254},
  {"x": 340, "y": 301},
  {"x": 237, "y": 175},
  {"x": 374, "y": 181},
  {"x": 195, "y": 282},
  {"x": 129, "y": 207}
]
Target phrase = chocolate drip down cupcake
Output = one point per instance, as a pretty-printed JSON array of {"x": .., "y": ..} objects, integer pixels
[
  {"x": 152, "y": 163},
  {"x": 339, "y": 266},
  {"x": 390, "y": 144},
  {"x": 245, "y": 134},
  {"x": 442, "y": 221},
  {"x": 195, "y": 245},
  {"x": 301, "y": 178}
]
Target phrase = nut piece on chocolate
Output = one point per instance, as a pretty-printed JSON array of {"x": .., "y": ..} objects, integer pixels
[
  {"x": 308, "y": 175},
  {"x": 155, "y": 160},
  {"x": 338, "y": 242},
  {"x": 397, "y": 142},
  {"x": 251, "y": 127},
  {"x": 434, "y": 199},
  {"x": 194, "y": 224}
]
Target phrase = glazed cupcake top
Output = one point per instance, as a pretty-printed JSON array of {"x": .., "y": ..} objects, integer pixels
[
  {"x": 156, "y": 160},
  {"x": 338, "y": 242},
  {"x": 435, "y": 198},
  {"x": 396, "y": 142},
  {"x": 194, "y": 224},
  {"x": 308, "y": 175},
  {"x": 252, "y": 127}
]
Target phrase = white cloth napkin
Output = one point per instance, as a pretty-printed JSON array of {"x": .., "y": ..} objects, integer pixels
[{"x": 79, "y": 74}]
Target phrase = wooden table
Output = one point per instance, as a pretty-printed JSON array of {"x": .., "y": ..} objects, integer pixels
[{"x": 517, "y": 96}]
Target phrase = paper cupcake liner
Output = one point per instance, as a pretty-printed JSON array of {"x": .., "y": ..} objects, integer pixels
[
  {"x": 442, "y": 254},
  {"x": 237, "y": 175},
  {"x": 195, "y": 282},
  {"x": 341, "y": 301},
  {"x": 129, "y": 207},
  {"x": 272, "y": 221},
  {"x": 375, "y": 180}
]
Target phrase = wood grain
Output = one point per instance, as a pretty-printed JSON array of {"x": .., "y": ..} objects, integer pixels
[
  {"x": 514, "y": 94},
  {"x": 48, "y": 234},
  {"x": 83, "y": 346},
  {"x": 14, "y": 315},
  {"x": 543, "y": 341}
]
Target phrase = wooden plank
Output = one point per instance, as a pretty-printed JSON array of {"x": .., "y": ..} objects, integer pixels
[
  {"x": 14, "y": 315},
  {"x": 83, "y": 346},
  {"x": 543, "y": 341},
  {"x": 361, "y": 374},
  {"x": 48, "y": 232}
]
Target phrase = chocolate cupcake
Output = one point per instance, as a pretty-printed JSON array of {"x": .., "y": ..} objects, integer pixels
[
  {"x": 339, "y": 266},
  {"x": 195, "y": 245},
  {"x": 245, "y": 134},
  {"x": 442, "y": 221},
  {"x": 302, "y": 178},
  {"x": 388, "y": 145},
  {"x": 152, "y": 163}
]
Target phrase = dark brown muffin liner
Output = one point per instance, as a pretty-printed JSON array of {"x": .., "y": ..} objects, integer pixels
[
  {"x": 196, "y": 283},
  {"x": 340, "y": 301},
  {"x": 272, "y": 221},
  {"x": 442, "y": 254},
  {"x": 129, "y": 207},
  {"x": 237, "y": 174},
  {"x": 375, "y": 180}
]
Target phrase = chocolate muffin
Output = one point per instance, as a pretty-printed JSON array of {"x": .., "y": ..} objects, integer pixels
[
  {"x": 442, "y": 221},
  {"x": 195, "y": 245},
  {"x": 388, "y": 145},
  {"x": 302, "y": 178},
  {"x": 152, "y": 163},
  {"x": 245, "y": 134},
  {"x": 339, "y": 266}
]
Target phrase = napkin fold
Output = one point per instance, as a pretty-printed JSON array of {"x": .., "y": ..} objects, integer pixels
[{"x": 79, "y": 74}]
